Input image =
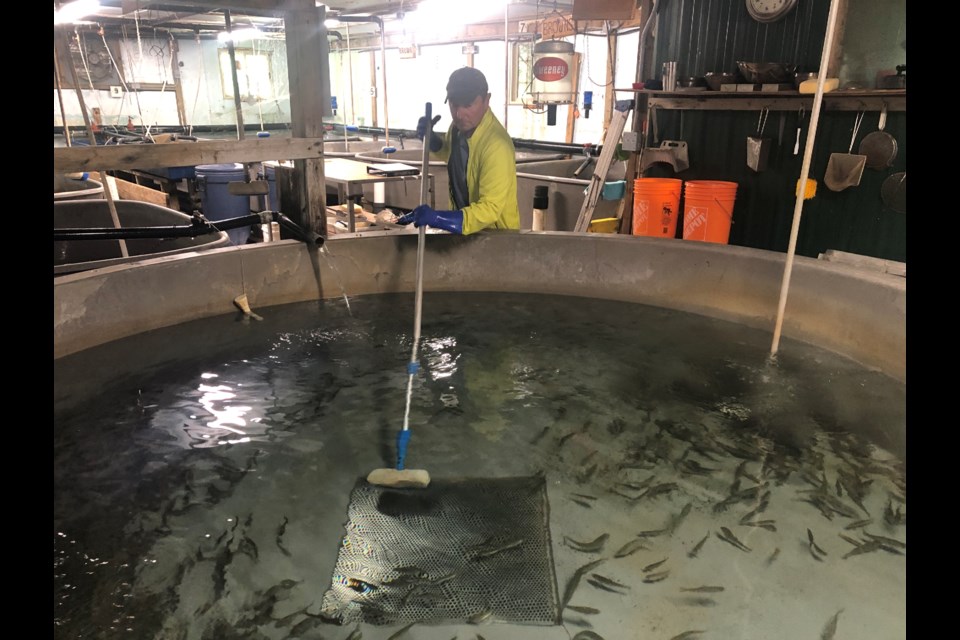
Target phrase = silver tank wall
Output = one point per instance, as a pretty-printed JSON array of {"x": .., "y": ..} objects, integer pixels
[{"x": 849, "y": 310}]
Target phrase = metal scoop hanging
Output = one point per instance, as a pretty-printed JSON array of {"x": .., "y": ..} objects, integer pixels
[
  {"x": 845, "y": 169},
  {"x": 758, "y": 147}
]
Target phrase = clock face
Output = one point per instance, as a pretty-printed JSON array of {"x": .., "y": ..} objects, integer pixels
[{"x": 769, "y": 10}]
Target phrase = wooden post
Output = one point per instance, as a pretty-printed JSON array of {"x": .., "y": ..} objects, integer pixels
[
  {"x": 572, "y": 110},
  {"x": 177, "y": 86},
  {"x": 309, "y": 70}
]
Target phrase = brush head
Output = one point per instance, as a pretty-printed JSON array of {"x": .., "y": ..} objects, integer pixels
[{"x": 405, "y": 479}]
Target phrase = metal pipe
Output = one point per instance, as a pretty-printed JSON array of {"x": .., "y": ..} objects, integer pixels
[
  {"x": 199, "y": 227},
  {"x": 383, "y": 56},
  {"x": 804, "y": 173},
  {"x": 654, "y": 10}
]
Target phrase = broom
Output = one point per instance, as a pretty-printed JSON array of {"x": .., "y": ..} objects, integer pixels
[{"x": 401, "y": 477}]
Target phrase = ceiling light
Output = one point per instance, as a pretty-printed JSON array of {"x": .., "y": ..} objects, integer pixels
[{"x": 73, "y": 11}]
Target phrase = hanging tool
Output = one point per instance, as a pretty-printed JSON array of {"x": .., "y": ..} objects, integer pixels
[
  {"x": 401, "y": 477},
  {"x": 845, "y": 169}
]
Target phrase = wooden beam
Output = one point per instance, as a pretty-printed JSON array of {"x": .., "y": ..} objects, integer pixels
[
  {"x": 145, "y": 156},
  {"x": 127, "y": 190}
]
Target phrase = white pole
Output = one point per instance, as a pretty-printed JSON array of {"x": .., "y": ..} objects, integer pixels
[{"x": 805, "y": 172}]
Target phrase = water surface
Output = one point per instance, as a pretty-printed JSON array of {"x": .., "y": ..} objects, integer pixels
[{"x": 202, "y": 473}]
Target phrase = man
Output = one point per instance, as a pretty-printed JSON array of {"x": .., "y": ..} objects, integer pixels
[{"x": 480, "y": 162}]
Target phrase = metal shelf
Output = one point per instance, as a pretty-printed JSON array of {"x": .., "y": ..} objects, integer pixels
[{"x": 707, "y": 100}]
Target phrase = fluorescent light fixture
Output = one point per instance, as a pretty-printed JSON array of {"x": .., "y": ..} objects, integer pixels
[
  {"x": 236, "y": 35},
  {"x": 73, "y": 11},
  {"x": 330, "y": 23}
]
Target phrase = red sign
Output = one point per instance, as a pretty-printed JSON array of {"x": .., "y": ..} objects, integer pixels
[{"x": 550, "y": 69}]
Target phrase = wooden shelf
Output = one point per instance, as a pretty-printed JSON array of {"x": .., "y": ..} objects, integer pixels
[{"x": 865, "y": 100}]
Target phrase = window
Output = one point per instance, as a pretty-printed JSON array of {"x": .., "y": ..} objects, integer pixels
[
  {"x": 253, "y": 74},
  {"x": 523, "y": 71}
]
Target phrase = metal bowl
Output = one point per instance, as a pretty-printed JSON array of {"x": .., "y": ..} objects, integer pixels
[
  {"x": 716, "y": 78},
  {"x": 767, "y": 72}
]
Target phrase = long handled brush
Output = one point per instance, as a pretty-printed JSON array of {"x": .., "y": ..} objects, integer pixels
[{"x": 401, "y": 476}]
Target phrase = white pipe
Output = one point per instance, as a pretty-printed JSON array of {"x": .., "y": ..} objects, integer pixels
[
  {"x": 805, "y": 172},
  {"x": 506, "y": 65}
]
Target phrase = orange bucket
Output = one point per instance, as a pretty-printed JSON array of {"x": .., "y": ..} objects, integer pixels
[
  {"x": 656, "y": 203},
  {"x": 708, "y": 210}
]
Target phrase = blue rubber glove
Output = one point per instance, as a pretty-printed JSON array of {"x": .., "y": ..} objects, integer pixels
[
  {"x": 422, "y": 125},
  {"x": 451, "y": 221}
]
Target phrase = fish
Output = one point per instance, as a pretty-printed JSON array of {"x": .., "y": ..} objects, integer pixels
[
  {"x": 584, "y": 496},
  {"x": 590, "y": 611},
  {"x": 659, "y": 489},
  {"x": 859, "y": 523},
  {"x": 814, "y": 547},
  {"x": 486, "y": 553},
  {"x": 401, "y": 631},
  {"x": 481, "y": 616},
  {"x": 700, "y": 602},
  {"x": 696, "y": 549},
  {"x": 695, "y": 468},
  {"x": 732, "y": 539},
  {"x": 582, "y": 503},
  {"x": 653, "y": 565},
  {"x": 773, "y": 556},
  {"x": 866, "y": 547},
  {"x": 594, "y": 546},
  {"x": 608, "y": 581},
  {"x": 852, "y": 541},
  {"x": 686, "y": 635},
  {"x": 280, "y": 531},
  {"x": 830, "y": 629},
  {"x": 765, "y": 524},
  {"x": 656, "y": 577},
  {"x": 652, "y": 533},
  {"x": 587, "y": 635},
  {"x": 889, "y": 541},
  {"x": 893, "y": 518},
  {"x": 603, "y": 587},
  {"x": 575, "y": 579},
  {"x": 631, "y": 547},
  {"x": 587, "y": 473},
  {"x": 540, "y": 435},
  {"x": 703, "y": 589},
  {"x": 676, "y": 520}
]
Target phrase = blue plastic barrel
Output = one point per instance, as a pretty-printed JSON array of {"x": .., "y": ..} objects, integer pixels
[{"x": 217, "y": 202}]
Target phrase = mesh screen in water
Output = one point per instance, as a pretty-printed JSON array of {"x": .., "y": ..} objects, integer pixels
[{"x": 459, "y": 550}]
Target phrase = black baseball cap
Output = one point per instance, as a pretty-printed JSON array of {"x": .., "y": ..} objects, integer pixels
[{"x": 465, "y": 84}]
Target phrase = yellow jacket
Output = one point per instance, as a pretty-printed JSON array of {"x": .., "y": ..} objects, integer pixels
[{"x": 491, "y": 177}]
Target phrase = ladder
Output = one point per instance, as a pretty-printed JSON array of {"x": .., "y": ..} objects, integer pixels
[{"x": 617, "y": 122}]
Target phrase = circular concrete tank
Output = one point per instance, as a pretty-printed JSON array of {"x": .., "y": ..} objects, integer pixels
[{"x": 239, "y": 526}]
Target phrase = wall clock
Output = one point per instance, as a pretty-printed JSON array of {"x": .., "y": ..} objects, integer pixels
[{"x": 769, "y": 10}]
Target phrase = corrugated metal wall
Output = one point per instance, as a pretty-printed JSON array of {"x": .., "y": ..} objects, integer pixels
[{"x": 712, "y": 35}]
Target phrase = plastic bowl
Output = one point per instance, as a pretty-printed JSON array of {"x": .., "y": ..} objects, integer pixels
[{"x": 767, "y": 72}]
